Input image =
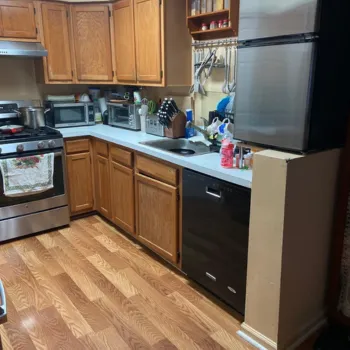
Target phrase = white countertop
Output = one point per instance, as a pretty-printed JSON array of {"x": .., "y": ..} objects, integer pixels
[{"x": 208, "y": 164}]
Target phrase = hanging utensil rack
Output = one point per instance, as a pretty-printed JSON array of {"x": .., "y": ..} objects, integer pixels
[{"x": 197, "y": 44}]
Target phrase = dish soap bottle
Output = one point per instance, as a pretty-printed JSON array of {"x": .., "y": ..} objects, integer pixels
[{"x": 226, "y": 153}]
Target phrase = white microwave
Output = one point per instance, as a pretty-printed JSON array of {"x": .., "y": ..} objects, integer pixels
[{"x": 63, "y": 115}]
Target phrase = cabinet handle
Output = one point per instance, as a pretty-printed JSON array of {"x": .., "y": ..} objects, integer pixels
[
  {"x": 231, "y": 289},
  {"x": 212, "y": 192},
  {"x": 210, "y": 276}
]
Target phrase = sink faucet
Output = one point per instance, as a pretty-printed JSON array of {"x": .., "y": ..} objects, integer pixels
[{"x": 204, "y": 132}]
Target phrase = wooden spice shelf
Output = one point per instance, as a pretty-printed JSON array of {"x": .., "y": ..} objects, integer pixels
[
  {"x": 226, "y": 29},
  {"x": 210, "y": 14}
]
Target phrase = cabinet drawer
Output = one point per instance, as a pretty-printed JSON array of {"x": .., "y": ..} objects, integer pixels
[
  {"x": 122, "y": 156},
  {"x": 157, "y": 170},
  {"x": 77, "y": 146},
  {"x": 101, "y": 148}
]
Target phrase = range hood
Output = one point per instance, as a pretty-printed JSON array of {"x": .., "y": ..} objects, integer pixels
[{"x": 22, "y": 49}]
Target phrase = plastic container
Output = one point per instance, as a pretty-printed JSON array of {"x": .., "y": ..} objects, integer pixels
[
  {"x": 225, "y": 23},
  {"x": 203, "y": 6},
  {"x": 209, "y": 5},
  {"x": 195, "y": 7},
  {"x": 220, "y": 24},
  {"x": 213, "y": 25},
  {"x": 226, "y": 153},
  {"x": 218, "y": 5},
  {"x": 189, "y": 132},
  {"x": 204, "y": 26}
]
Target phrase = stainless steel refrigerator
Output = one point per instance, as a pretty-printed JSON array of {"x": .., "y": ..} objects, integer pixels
[{"x": 292, "y": 73}]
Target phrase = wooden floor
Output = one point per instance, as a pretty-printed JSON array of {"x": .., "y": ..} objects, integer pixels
[{"x": 89, "y": 287}]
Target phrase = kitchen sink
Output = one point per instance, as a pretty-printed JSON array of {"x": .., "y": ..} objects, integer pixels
[{"x": 181, "y": 147}]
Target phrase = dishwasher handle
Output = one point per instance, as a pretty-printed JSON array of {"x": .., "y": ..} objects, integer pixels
[{"x": 212, "y": 192}]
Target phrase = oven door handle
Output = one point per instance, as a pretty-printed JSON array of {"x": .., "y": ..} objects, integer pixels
[{"x": 3, "y": 306}]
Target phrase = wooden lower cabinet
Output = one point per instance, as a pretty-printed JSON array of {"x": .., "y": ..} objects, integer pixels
[
  {"x": 80, "y": 190},
  {"x": 157, "y": 213},
  {"x": 102, "y": 186},
  {"x": 122, "y": 196}
]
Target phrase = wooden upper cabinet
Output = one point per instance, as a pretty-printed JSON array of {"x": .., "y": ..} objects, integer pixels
[
  {"x": 148, "y": 40},
  {"x": 80, "y": 182},
  {"x": 157, "y": 216},
  {"x": 124, "y": 38},
  {"x": 92, "y": 42},
  {"x": 17, "y": 19},
  {"x": 56, "y": 36}
]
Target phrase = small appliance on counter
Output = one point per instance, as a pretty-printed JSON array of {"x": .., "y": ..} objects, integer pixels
[
  {"x": 124, "y": 115},
  {"x": 153, "y": 126},
  {"x": 63, "y": 115}
]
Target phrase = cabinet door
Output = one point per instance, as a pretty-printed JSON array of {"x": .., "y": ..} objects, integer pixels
[
  {"x": 148, "y": 40},
  {"x": 92, "y": 42},
  {"x": 157, "y": 216},
  {"x": 18, "y": 19},
  {"x": 55, "y": 25},
  {"x": 102, "y": 186},
  {"x": 122, "y": 197},
  {"x": 124, "y": 37},
  {"x": 80, "y": 182}
]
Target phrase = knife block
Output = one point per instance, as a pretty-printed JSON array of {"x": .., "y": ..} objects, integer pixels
[{"x": 177, "y": 127}]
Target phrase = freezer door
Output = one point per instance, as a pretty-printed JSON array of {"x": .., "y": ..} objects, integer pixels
[
  {"x": 268, "y": 18},
  {"x": 274, "y": 94}
]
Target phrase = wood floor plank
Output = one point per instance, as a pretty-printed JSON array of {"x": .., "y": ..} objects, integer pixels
[
  {"x": 132, "y": 338},
  {"x": 229, "y": 341},
  {"x": 175, "y": 283},
  {"x": 51, "y": 265},
  {"x": 108, "y": 339},
  {"x": 88, "y": 310},
  {"x": 74, "y": 320},
  {"x": 194, "y": 314},
  {"x": 77, "y": 274},
  {"x": 24, "y": 289},
  {"x": 118, "y": 278},
  {"x": 57, "y": 333},
  {"x": 47, "y": 240},
  {"x": 5, "y": 341},
  {"x": 165, "y": 344},
  {"x": 168, "y": 326},
  {"x": 16, "y": 332},
  {"x": 165, "y": 308}
]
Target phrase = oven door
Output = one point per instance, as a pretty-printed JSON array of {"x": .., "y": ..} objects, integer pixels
[
  {"x": 66, "y": 115},
  {"x": 55, "y": 197}
]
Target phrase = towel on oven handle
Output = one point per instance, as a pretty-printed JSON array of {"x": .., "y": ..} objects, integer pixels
[{"x": 27, "y": 175}]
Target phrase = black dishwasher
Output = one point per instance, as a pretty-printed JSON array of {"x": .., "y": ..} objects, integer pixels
[{"x": 215, "y": 236}]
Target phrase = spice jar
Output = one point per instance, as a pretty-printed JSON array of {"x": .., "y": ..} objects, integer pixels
[
  {"x": 220, "y": 23},
  {"x": 225, "y": 23},
  {"x": 213, "y": 25},
  {"x": 204, "y": 26}
]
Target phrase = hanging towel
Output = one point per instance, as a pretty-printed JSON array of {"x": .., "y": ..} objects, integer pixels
[{"x": 27, "y": 175}]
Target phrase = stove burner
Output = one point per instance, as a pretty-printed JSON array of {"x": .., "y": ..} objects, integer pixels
[{"x": 42, "y": 133}]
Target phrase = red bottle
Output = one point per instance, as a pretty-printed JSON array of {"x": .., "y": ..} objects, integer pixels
[{"x": 226, "y": 153}]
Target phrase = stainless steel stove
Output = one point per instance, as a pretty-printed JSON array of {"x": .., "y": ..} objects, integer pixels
[{"x": 32, "y": 213}]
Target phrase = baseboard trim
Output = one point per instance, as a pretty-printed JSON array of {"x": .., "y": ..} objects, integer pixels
[
  {"x": 250, "y": 340},
  {"x": 257, "y": 337}
]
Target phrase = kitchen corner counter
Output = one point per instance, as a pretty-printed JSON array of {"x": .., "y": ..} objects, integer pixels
[{"x": 208, "y": 164}]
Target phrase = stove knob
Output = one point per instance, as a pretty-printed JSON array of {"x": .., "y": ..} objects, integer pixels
[
  {"x": 52, "y": 143},
  {"x": 20, "y": 148},
  {"x": 41, "y": 145}
]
